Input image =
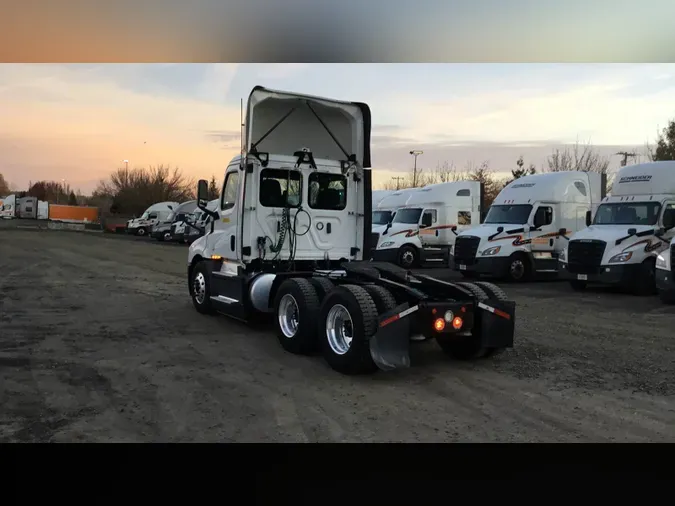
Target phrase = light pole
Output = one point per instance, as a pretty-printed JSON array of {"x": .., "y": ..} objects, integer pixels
[
  {"x": 415, "y": 153},
  {"x": 126, "y": 164}
]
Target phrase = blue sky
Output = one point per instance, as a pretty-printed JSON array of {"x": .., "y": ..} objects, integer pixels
[{"x": 79, "y": 121}]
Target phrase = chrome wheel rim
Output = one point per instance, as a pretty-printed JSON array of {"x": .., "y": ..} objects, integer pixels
[
  {"x": 288, "y": 316},
  {"x": 141, "y": 231},
  {"x": 167, "y": 236},
  {"x": 199, "y": 288},
  {"x": 517, "y": 269},
  {"x": 339, "y": 329},
  {"x": 407, "y": 257}
]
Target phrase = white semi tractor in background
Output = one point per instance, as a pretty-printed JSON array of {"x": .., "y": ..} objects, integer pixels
[
  {"x": 153, "y": 215},
  {"x": 385, "y": 210},
  {"x": 526, "y": 227},
  {"x": 278, "y": 247},
  {"x": 424, "y": 229},
  {"x": 630, "y": 229}
]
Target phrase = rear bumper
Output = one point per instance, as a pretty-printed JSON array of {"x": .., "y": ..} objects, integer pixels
[
  {"x": 665, "y": 281},
  {"x": 604, "y": 274},
  {"x": 495, "y": 266}
]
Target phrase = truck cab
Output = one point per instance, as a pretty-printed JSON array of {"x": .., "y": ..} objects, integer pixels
[
  {"x": 628, "y": 232},
  {"x": 154, "y": 214},
  {"x": 166, "y": 229},
  {"x": 290, "y": 239},
  {"x": 525, "y": 228},
  {"x": 424, "y": 229}
]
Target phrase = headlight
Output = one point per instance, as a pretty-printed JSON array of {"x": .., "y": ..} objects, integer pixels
[
  {"x": 563, "y": 255},
  {"x": 621, "y": 257},
  {"x": 386, "y": 244},
  {"x": 661, "y": 262},
  {"x": 491, "y": 251}
]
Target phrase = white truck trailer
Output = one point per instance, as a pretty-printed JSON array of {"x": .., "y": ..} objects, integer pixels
[
  {"x": 525, "y": 229},
  {"x": 630, "y": 228},
  {"x": 276, "y": 248}
]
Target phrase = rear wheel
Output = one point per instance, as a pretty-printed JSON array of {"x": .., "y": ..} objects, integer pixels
[
  {"x": 322, "y": 286},
  {"x": 348, "y": 320},
  {"x": 296, "y": 306},
  {"x": 383, "y": 298}
]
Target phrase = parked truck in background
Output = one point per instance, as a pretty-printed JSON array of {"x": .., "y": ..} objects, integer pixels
[
  {"x": 630, "y": 229},
  {"x": 151, "y": 216},
  {"x": 526, "y": 227},
  {"x": 200, "y": 220},
  {"x": 277, "y": 248},
  {"x": 163, "y": 230},
  {"x": 424, "y": 229},
  {"x": 665, "y": 274}
]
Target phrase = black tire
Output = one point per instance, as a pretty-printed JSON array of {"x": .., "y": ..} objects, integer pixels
[
  {"x": 322, "y": 286},
  {"x": 518, "y": 269},
  {"x": 142, "y": 232},
  {"x": 464, "y": 347},
  {"x": 408, "y": 256},
  {"x": 383, "y": 298},
  {"x": 363, "y": 313},
  {"x": 200, "y": 289},
  {"x": 578, "y": 286},
  {"x": 667, "y": 296},
  {"x": 495, "y": 293},
  {"x": 645, "y": 282},
  {"x": 303, "y": 295}
]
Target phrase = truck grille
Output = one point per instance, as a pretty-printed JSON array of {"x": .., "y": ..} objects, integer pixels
[
  {"x": 585, "y": 256},
  {"x": 672, "y": 258},
  {"x": 465, "y": 250}
]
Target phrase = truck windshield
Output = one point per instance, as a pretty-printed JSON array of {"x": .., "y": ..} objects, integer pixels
[
  {"x": 381, "y": 217},
  {"x": 516, "y": 214},
  {"x": 408, "y": 216},
  {"x": 633, "y": 213}
]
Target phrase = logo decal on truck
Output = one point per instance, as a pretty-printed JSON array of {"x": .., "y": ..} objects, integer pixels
[
  {"x": 636, "y": 179},
  {"x": 649, "y": 247}
]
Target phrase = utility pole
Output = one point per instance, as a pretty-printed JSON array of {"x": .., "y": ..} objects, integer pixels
[
  {"x": 415, "y": 153},
  {"x": 625, "y": 155},
  {"x": 398, "y": 181}
]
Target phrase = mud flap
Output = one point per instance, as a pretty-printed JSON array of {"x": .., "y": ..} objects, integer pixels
[
  {"x": 390, "y": 345},
  {"x": 497, "y": 320}
]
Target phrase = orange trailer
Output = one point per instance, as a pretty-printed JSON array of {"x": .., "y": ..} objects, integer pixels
[{"x": 73, "y": 213}]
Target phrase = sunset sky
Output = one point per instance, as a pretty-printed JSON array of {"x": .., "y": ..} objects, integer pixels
[{"x": 78, "y": 122}]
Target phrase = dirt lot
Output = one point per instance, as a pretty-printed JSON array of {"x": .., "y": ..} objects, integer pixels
[{"x": 99, "y": 342}]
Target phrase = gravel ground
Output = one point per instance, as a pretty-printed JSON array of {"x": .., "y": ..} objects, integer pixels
[{"x": 99, "y": 342}]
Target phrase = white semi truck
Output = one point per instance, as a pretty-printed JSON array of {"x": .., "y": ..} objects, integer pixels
[
  {"x": 290, "y": 237},
  {"x": 665, "y": 274},
  {"x": 424, "y": 229},
  {"x": 525, "y": 229},
  {"x": 630, "y": 228},
  {"x": 153, "y": 215},
  {"x": 386, "y": 208}
]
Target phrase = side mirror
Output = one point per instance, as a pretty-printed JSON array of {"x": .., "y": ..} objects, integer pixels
[
  {"x": 632, "y": 231},
  {"x": 202, "y": 193},
  {"x": 562, "y": 231},
  {"x": 500, "y": 229},
  {"x": 660, "y": 232},
  {"x": 669, "y": 219},
  {"x": 588, "y": 218}
]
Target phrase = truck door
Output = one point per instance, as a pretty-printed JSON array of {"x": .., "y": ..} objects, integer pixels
[
  {"x": 430, "y": 233},
  {"x": 225, "y": 228},
  {"x": 668, "y": 222},
  {"x": 544, "y": 234}
]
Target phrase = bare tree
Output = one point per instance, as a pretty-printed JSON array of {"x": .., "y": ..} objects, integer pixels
[
  {"x": 577, "y": 157},
  {"x": 491, "y": 184},
  {"x": 134, "y": 190},
  {"x": 4, "y": 186}
]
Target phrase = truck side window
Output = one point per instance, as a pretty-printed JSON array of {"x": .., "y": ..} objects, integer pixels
[
  {"x": 152, "y": 216},
  {"x": 581, "y": 187},
  {"x": 669, "y": 216},
  {"x": 230, "y": 190},
  {"x": 464, "y": 193},
  {"x": 280, "y": 188},
  {"x": 544, "y": 216},
  {"x": 327, "y": 191},
  {"x": 464, "y": 218}
]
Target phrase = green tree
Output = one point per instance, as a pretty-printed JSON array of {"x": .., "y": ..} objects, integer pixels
[
  {"x": 72, "y": 199},
  {"x": 665, "y": 144}
]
